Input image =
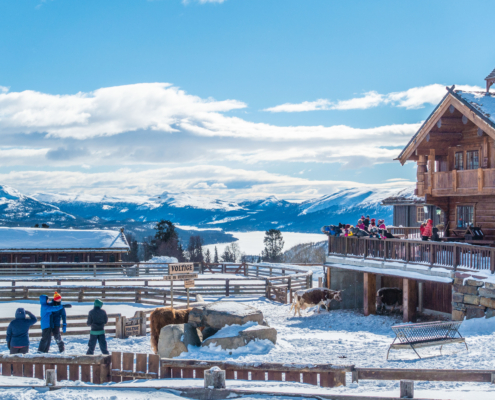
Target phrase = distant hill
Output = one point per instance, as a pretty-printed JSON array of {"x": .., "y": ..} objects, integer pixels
[{"x": 213, "y": 217}]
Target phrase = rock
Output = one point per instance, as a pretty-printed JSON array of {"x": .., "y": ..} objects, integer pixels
[
  {"x": 473, "y": 282},
  {"x": 243, "y": 337},
  {"x": 174, "y": 340},
  {"x": 457, "y": 297},
  {"x": 199, "y": 298},
  {"x": 470, "y": 299},
  {"x": 458, "y": 315},
  {"x": 490, "y": 293},
  {"x": 466, "y": 289},
  {"x": 208, "y": 331},
  {"x": 487, "y": 302},
  {"x": 221, "y": 313},
  {"x": 489, "y": 285},
  {"x": 490, "y": 313},
  {"x": 260, "y": 332},
  {"x": 475, "y": 312},
  {"x": 459, "y": 281}
]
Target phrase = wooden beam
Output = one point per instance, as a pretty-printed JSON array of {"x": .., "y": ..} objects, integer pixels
[
  {"x": 410, "y": 299},
  {"x": 369, "y": 297},
  {"x": 450, "y": 375}
]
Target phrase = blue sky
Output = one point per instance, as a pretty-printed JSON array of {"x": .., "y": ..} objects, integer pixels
[{"x": 233, "y": 99}]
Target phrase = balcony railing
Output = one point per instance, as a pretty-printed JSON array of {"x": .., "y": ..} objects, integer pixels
[
  {"x": 451, "y": 256},
  {"x": 408, "y": 232},
  {"x": 459, "y": 183}
]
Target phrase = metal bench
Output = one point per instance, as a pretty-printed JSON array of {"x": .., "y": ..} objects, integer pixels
[{"x": 426, "y": 334}]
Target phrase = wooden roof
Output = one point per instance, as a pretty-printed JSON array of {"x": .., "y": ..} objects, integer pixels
[
  {"x": 475, "y": 106},
  {"x": 491, "y": 75}
]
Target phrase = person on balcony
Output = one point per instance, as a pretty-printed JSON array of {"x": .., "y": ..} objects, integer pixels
[
  {"x": 367, "y": 223},
  {"x": 373, "y": 229},
  {"x": 361, "y": 225},
  {"x": 427, "y": 231}
]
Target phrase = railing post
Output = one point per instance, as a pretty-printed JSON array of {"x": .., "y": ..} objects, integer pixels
[
  {"x": 94, "y": 270},
  {"x": 431, "y": 255},
  {"x": 345, "y": 246},
  {"x": 227, "y": 287},
  {"x": 385, "y": 248},
  {"x": 492, "y": 261},
  {"x": 407, "y": 250},
  {"x": 455, "y": 261}
]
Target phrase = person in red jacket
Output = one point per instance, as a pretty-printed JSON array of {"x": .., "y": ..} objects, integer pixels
[{"x": 427, "y": 231}]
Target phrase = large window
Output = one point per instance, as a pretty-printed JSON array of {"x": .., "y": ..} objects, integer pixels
[
  {"x": 472, "y": 159},
  {"x": 465, "y": 216},
  {"x": 459, "y": 161},
  {"x": 420, "y": 214}
]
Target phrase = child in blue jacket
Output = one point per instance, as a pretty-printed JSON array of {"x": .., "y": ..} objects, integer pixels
[
  {"x": 18, "y": 332},
  {"x": 46, "y": 331}
]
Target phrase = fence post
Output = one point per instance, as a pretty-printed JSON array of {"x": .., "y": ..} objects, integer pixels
[
  {"x": 407, "y": 252},
  {"x": 257, "y": 271},
  {"x": 431, "y": 255},
  {"x": 227, "y": 287},
  {"x": 94, "y": 270},
  {"x": 289, "y": 288},
  {"x": 42, "y": 271},
  {"x": 267, "y": 288},
  {"x": 142, "y": 324},
  {"x": 492, "y": 261},
  {"x": 245, "y": 269},
  {"x": 406, "y": 389},
  {"x": 13, "y": 290},
  {"x": 103, "y": 283}
]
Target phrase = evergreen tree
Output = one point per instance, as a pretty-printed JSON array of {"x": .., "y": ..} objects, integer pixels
[
  {"x": 215, "y": 257},
  {"x": 195, "y": 248},
  {"x": 231, "y": 253},
  {"x": 274, "y": 243},
  {"x": 207, "y": 256},
  {"x": 165, "y": 231},
  {"x": 134, "y": 249}
]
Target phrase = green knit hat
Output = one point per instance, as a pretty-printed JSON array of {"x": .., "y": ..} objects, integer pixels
[{"x": 98, "y": 303}]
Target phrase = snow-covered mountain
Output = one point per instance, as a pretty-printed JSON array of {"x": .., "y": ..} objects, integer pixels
[{"x": 139, "y": 213}]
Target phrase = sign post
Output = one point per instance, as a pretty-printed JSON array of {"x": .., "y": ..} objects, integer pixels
[{"x": 180, "y": 272}]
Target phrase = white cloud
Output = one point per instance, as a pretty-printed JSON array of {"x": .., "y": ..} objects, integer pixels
[
  {"x": 4, "y": 89},
  {"x": 411, "y": 99}
]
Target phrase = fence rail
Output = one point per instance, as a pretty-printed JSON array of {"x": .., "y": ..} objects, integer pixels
[{"x": 453, "y": 256}]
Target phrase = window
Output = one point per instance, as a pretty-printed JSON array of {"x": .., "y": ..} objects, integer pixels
[
  {"x": 459, "y": 161},
  {"x": 112, "y": 258},
  {"x": 420, "y": 214},
  {"x": 465, "y": 216},
  {"x": 4, "y": 259},
  {"x": 472, "y": 159},
  {"x": 40, "y": 259},
  {"x": 76, "y": 258}
]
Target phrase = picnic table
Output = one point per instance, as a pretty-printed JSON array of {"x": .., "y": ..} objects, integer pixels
[{"x": 426, "y": 334}]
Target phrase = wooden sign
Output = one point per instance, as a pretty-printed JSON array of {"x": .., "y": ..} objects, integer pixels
[
  {"x": 189, "y": 283},
  {"x": 132, "y": 327},
  {"x": 179, "y": 277},
  {"x": 180, "y": 268}
]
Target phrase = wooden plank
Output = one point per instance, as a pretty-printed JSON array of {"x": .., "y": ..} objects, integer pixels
[
  {"x": 447, "y": 375},
  {"x": 292, "y": 377},
  {"x": 17, "y": 369},
  {"x": 74, "y": 372},
  {"x": 188, "y": 373},
  {"x": 154, "y": 364},
  {"x": 165, "y": 372},
  {"x": 310, "y": 378},
  {"x": 128, "y": 364},
  {"x": 229, "y": 373},
  {"x": 86, "y": 373},
  {"x": 257, "y": 375},
  {"x": 369, "y": 284},
  {"x": 96, "y": 372},
  {"x": 28, "y": 370},
  {"x": 6, "y": 369},
  {"x": 274, "y": 375},
  {"x": 332, "y": 379},
  {"x": 116, "y": 365},
  {"x": 243, "y": 374},
  {"x": 38, "y": 371},
  {"x": 61, "y": 372},
  {"x": 200, "y": 373},
  {"x": 141, "y": 362}
]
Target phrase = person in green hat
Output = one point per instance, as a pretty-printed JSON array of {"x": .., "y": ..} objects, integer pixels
[{"x": 97, "y": 318}]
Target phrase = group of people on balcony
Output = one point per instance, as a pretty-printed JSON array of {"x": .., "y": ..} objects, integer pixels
[
  {"x": 429, "y": 232},
  {"x": 365, "y": 227}
]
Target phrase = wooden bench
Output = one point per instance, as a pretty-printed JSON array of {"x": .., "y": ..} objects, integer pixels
[{"x": 426, "y": 334}]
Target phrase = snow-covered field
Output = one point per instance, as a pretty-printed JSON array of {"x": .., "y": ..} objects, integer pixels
[
  {"x": 339, "y": 337},
  {"x": 252, "y": 242}
]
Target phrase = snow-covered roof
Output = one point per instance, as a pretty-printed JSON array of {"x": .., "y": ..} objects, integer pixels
[
  {"x": 404, "y": 197},
  {"x": 482, "y": 102},
  {"x": 42, "y": 239}
]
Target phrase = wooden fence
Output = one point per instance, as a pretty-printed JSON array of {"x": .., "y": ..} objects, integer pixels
[
  {"x": 95, "y": 369},
  {"x": 453, "y": 256}
]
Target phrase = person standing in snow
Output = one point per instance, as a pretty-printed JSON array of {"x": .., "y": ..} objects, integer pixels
[
  {"x": 46, "y": 331},
  {"x": 55, "y": 318},
  {"x": 97, "y": 318},
  {"x": 18, "y": 332}
]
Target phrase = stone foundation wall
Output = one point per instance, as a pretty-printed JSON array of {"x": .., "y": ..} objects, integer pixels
[{"x": 472, "y": 298}]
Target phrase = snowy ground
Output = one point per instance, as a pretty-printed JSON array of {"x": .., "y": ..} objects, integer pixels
[
  {"x": 252, "y": 242},
  {"x": 339, "y": 337}
]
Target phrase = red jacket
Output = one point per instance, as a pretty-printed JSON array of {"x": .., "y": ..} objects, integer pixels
[{"x": 428, "y": 229}]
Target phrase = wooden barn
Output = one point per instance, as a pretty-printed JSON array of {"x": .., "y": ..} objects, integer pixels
[
  {"x": 37, "y": 245},
  {"x": 455, "y": 153}
]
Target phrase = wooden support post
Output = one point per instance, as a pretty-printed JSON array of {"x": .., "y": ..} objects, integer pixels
[
  {"x": 407, "y": 249},
  {"x": 94, "y": 270},
  {"x": 420, "y": 296},
  {"x": 369, "y": 294},
  {"x": 406, "y": 389},
  {"x": 410, "y": 299},
  {"x": 214, "y": 378},
  {"x": 227, "y": 287},
  {"x": 51, "y": 377},
  {"x": 432, "y": 257},
  {"x": 320, "y": 282},
  {"x": 329, "y": 278},
  {"x": 492, "y": 261},
  {"x": 172, "y": 295},
  {"x": 355, "y": 376}
]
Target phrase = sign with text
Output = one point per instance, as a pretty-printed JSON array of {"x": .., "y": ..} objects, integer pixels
[
  {"x": 189, "y": 283},
  {"x": 179, "y": 277},
  {"x": 180, "y": 268}
]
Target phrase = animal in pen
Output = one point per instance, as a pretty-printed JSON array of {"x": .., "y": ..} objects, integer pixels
[
  {"x": 314, "y": 297},
  {"x": 164, "y": 316},
  {"x": 389, "y": 299}
]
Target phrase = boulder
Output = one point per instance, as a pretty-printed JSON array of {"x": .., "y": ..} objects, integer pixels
[
  {"x": 208, "y": 331},
  {"x": 174, "y": 340},
  {"x": 243, "y": 337},
  {"x": 221, "y": 313}
]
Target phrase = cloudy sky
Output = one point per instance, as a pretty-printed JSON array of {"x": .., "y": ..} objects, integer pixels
[{"x": 227, "y": 98}]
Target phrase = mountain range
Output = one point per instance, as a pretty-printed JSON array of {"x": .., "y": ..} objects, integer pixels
[{"x": 211, "y": 218}]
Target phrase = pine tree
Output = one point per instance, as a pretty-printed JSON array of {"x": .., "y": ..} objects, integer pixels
[
  {"x": 207, "y": 256},
  {"x": 274, "y": 243},
  {"x": 215, "y": 258},
  {"x": 195, "y": 248}
]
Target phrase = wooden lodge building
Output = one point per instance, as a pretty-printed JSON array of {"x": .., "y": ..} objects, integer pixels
[
  {"x": 455, "y": 154},
  {"x": 38, "y": 245}
]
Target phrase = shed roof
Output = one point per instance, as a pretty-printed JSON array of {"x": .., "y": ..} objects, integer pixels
[
  {"x": 41, "y": 239},
  {"x": 491, "y": 75}
]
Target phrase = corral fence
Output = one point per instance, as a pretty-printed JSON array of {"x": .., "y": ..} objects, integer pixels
[
  {"x": 274, "y": 282},
  {"x": 119, "y": 367},
  {"x": 451, "y": 256}
]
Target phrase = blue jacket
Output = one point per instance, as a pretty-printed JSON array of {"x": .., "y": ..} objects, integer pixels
[
  {"x": 46, "y": 311},
  {"x": 18, "y": 330},
  {"x": 56, "y": 316}
]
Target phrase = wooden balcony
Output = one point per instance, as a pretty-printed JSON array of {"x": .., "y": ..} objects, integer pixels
[{"x": 459, "y": 183}]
